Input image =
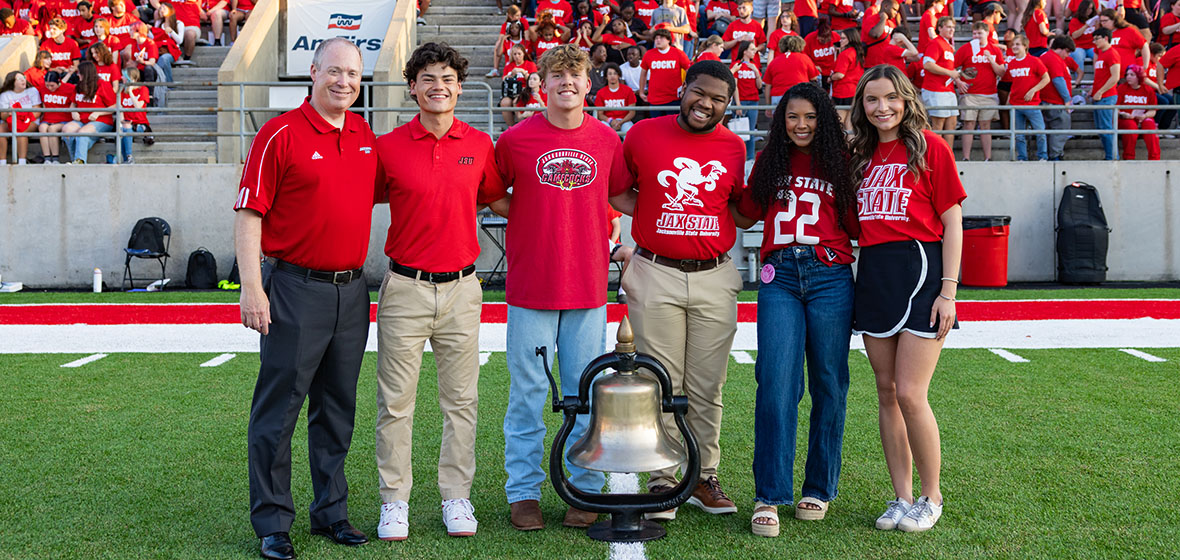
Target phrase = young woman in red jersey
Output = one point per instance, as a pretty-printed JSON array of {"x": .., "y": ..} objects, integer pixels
[
  {"x": 911, "y": 239},
  {"x": 801, "y": 187}
]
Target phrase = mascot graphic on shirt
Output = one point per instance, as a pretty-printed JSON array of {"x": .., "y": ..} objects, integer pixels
[{"x": 689, "y": 177}]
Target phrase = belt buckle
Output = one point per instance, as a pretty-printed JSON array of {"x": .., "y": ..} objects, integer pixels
[
  {"x": 689, "y": 265},
  {"x": 336, "y": 277}
]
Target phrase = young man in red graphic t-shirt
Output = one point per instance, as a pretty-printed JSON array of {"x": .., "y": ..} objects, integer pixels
[
  {"x": 986, "y": 61},
  {"x": 63, "y": 50},
  {"x": 615, "y": 94},
  {"x": 560, "y": 164},
  {"x": 1108, "y": 68},
  {"x": 940, "y": 80},
  {"x": 662, "y": 73},
  {"x": 745, "y": 28},
  {"x": 1057, "y": 94},
  {"x": 682, "y": 285},
  {"x": 1028, "y": 76}
]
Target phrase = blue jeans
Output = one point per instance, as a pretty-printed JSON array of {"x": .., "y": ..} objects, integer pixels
[
  {"x": 805, "y": 310},
  {"x": 1104, "y": 120},
  {"x": 577, "y": 336},
  {"x": 1080, "y": 56},
  {"x": 125, "y": 141},
  {"x": 79, "y": 146},
  {"x": 165, "y": 63},
  {"x": 1165, "y": 117},
  {"x": 1033, "y": 118},
  {"x": 751, "y": 117}
]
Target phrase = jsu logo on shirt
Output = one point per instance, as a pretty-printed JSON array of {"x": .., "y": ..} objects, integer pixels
[
  {"x": 566, "y": 169},
  {"x": 883, "y": 195},
  {"x": 466, "y": 160}
]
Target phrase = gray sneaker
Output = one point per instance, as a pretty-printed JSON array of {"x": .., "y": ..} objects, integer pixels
[
  {"x": 893, "y": 514},
  {"x": 921, "y": 517}
]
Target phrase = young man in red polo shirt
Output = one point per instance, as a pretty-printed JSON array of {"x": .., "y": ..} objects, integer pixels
[
  {"x": 560, "y": 163},
  {"x": 662, "y": 74},
  {"x": 306, "y": 203},
  {"x": 683, "y": 286},
  {"x": 434, "y": 172}
]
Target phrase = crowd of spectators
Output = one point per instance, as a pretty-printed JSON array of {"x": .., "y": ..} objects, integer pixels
[
  {"x": 92, "y": 56},
  {"x": 1032, "y": 54}
]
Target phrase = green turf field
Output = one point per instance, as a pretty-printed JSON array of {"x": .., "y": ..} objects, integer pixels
[
  {"x": 1049, "y": 291},
  {"x": 1073, "y": 455}
]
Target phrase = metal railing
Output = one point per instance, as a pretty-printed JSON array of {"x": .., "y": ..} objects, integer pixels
[{"x": 489, "y": 108}]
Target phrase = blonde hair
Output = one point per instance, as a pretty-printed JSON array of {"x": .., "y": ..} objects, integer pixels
[
  {"x": 564, "y": 57},
  {"x": 913, "y": 122}
]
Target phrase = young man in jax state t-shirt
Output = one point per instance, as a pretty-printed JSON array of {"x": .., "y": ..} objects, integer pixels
[
  {"x": 663, "y": 73},
  {"x": 434, "y": 172},
  {"x": 683, "y": 287},
  {"x": 560, "y": 164}
]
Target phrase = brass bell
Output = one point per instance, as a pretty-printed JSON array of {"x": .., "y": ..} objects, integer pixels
[{"x": 625, "y": 433}]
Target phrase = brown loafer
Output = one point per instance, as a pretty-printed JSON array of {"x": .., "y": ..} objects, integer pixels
[
  {"x": 579, "y": 519},
  {"x": 526, "y": 515}
]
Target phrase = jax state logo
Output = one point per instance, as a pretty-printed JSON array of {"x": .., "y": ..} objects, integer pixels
[
  {"x": 566, "y": 169},
  {"x": 344, "y": 21}
]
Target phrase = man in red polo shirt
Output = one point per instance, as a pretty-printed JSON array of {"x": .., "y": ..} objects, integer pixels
[
  {"x": 683, "y": 286},
  {"x": 560, "y": 163},
  {"x": 306, "y": 203},
  {"x": 434, "y": 171}
]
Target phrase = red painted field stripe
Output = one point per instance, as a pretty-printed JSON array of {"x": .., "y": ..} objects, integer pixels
[{"x": 127, "y": 314}]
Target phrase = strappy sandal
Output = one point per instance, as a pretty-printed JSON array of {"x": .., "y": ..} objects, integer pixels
[
  {"x": 811, "y": 514},
  {"x": 767, "y": 529}
]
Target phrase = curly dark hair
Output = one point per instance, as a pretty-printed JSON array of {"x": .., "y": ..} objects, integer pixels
[
  {"x": 434, "y": 53},
  {"x": 829, "y": 153}
]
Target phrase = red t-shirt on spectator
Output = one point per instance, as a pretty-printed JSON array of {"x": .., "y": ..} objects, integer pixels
[
  {"x": 808, "y": 219},
  {"x": 776, "y": 37},
  {"x": 432, "y": 204},
  {"x": 1142, "y": 95},
  {"x": 1128, "y": 43},
  {"x": 644, "y": 9},
  {"x": 104, "y": 98},
  {"x": 842, "y": 7},
  {"x": 893, "y": 205},
  {"x": 524, "y": 26},
  {"x": 1057, "y": 68},
  {"x": 36, "y": 77},
  {"x": 127, "y": 99},
  {"x": 621, "y": 96},
  {"x": 63, "y": 54},
  {"x": 739, "y": 31},
  {"x": 165, "y": 43},
  {"x": 726, "y": 7},
  {"x": 1036, "y": 39},
  {"x": 747, "y": 81},
  {"x": 929, "y": 19},
  {"x": 611, "y": 40},
  {"x": 985, "y": 79},
  {"x": 603, "y": 7},
  {"x": 1167, "y": 20},
  {"x": 846, "y": 64},
  {"x": 805, "y": 8},
  {"x": 121, "y": 27},
  {"x": 528, "y": 66},
  {"x": 146, "y": 50},
  {"x": 821, "y": 53},
  {"x": 544, "y": 45},
  {"x": 706, "y": 55},
  {"x": 1025, "y": 73},
  {"x": 244, "y": 5},
  {"x": 188, "y": 12},
  {"x": 1083, "y": 41},
  {"x": 787, "y": 70},
  {"x": 1171, "y": 62},
  {"x": 110, "y": 73},
  {"x": 82, "y": 29},
  {"x": 940, "y": 53},
  {"x": 19, "y": 27},
  {"x": 685, "y": 182},
  {"x": 879, "y": 50},
  {"x": 1104, "y": 62},
  {"x": 58, "y": 99},
  {"x": 560, "y": 178},
  {"x": 664, "y": 74}
]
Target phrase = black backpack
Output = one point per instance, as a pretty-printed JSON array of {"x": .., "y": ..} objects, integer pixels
[
  {"x": 1082, "y": 236},
  {"x": 202, "y": 270}
]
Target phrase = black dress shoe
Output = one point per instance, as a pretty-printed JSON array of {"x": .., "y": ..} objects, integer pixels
[
  {"x": 342, "y": 532},
  {"x": 277, "y": 546}
]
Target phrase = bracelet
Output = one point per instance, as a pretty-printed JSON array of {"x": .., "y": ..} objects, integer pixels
[
  {"x": 951, "y": 280},
  {"x": 615, "y": 249},
  {"x": 946, "y": 298}
]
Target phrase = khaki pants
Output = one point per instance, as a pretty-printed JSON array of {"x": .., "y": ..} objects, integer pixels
[
  {"x": 409, "y": 313},
  {"x": 687, "y": 321}
]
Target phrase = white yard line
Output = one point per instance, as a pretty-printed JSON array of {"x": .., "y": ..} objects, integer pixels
[
  {"x": 83, "y": 361},
  {"x": 624, "y": 483},
  {"x": 219, "y": 360},
  {"x": 1143, "y": 355},
  {"x": 1008, "y": 356},
  {"x": 484, "y": 357},
  {"x": 742, "y": 357}
]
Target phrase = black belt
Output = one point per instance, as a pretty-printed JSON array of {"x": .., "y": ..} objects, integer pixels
[
  {"x": 338, "y": 277},
  {"x": 432, "y": 277},
  {"x": 684, "y": 265}
]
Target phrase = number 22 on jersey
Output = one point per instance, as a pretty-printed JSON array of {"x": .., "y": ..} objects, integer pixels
[{"x": 783, "y": 220}]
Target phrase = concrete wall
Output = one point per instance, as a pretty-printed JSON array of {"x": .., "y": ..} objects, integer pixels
[
  {"x": 400, "y": 40},
  {"x": 58, "y": 223},
  {"x": 253, "y": 58},
  {"x": 17, "y": 53}
]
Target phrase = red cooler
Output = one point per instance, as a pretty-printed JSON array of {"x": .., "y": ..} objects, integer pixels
[{"x": 985, "y": 251}]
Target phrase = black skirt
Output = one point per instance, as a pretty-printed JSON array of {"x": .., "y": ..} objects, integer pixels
[{"x": 896, "y": 286}]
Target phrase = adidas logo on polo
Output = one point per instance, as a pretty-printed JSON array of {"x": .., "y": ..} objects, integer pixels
[{"x": 316, "y": 155}]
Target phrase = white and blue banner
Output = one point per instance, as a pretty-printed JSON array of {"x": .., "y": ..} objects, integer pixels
[{"x": 310, "y": 22}]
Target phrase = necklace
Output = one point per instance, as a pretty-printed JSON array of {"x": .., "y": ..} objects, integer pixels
[{"x": 891, "y": 150}]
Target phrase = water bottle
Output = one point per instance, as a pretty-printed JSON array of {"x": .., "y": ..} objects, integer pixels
[{"x": 97, "y": 280}]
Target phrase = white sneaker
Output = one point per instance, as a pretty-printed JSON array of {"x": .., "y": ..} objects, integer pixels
[
  {"x": 492, "y": 73},
  {"x": 395, "y": 521},
  {"x": 921, "y": 517},
  {"x": 459, "y": 517},
  {"x": 893, "y": 515}
]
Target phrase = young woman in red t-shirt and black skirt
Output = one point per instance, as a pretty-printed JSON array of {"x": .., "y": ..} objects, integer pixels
[{"x": 911, "y": 238}]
